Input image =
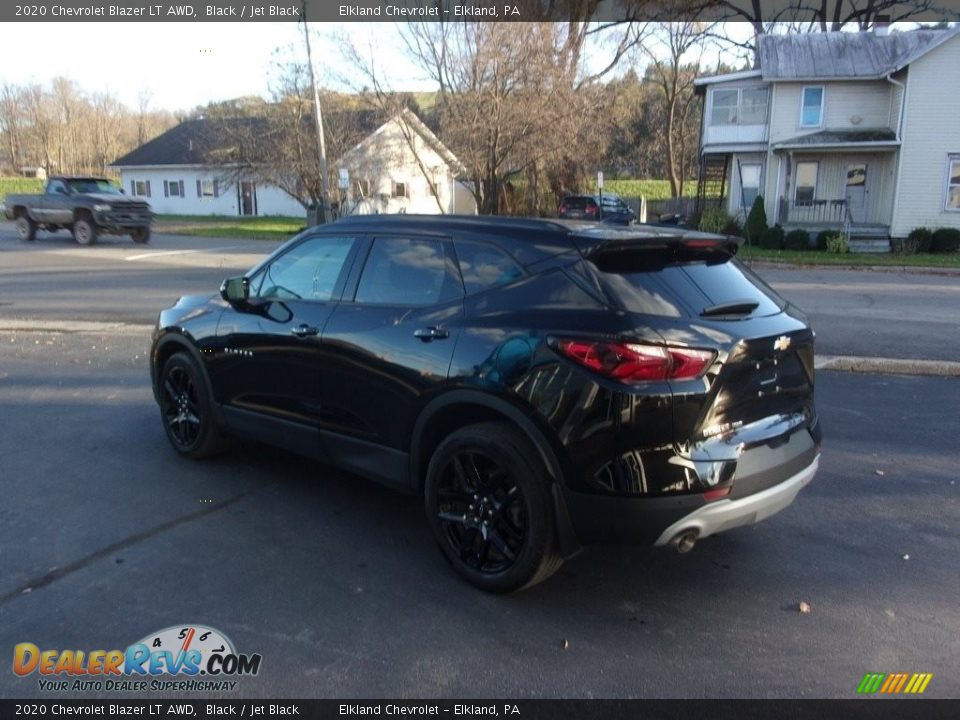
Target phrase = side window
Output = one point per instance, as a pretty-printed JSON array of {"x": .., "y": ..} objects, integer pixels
[
  {"x": 56, "y": 187},
  {"x": 408, "y": 271},
  {"x": 485, "y": 266},
  {"x": 307, "y": 272}
]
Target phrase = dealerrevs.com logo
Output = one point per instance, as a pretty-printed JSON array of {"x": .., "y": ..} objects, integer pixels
[{"x": 200, "y": 659}]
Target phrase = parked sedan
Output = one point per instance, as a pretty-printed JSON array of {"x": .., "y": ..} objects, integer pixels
[
  {"x": 542, "y": 385},
  {"x": 606, "y": 208}
]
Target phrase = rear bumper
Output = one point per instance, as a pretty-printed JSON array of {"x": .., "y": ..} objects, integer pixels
[{"x": 723, "y": 515}]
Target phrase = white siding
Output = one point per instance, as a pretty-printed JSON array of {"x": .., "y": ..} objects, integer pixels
[
  {"x": 270, "y": 200},
  {"x": 931, "y": 132},
  {"x": 844, "y": 102},
  {"x": 387, "y": 158}
]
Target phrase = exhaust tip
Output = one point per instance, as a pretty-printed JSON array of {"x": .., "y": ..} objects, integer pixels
[{"x": 685, "y": 541}]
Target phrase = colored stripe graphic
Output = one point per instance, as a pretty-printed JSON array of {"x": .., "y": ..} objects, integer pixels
[
  {"x": 871, "y": 683},
  {"x": 894, "y": 683}
]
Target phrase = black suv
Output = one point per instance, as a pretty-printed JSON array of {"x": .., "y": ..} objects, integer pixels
[
  {"x": 606, "y": 208},
  {"x": 543, "y": 384}
]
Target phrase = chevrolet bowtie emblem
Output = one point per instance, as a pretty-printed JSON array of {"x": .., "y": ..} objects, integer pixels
[{"x": 781, "y": 343}]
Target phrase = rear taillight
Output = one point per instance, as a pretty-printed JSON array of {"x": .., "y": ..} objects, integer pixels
[
  {"x": 637, "y": 362},
  {"x": 562, "y": 210},
  {"x": 591, "y": 210}
]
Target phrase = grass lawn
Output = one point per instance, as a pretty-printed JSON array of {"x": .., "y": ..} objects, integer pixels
[
  {"x": 818, "y": 257},
  {"x": 257, "y": 228}
]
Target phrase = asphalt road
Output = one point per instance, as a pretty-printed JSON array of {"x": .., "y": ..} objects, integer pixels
[
  {"x": 854, "y": 312},
  {"x": 106, "y": 536}
]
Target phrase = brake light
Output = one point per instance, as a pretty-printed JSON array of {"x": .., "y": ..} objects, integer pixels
[
  {"x": 563, "y": 209},
  {"x": 637, "y": 362},
  {"x": 591, "y": 210}
]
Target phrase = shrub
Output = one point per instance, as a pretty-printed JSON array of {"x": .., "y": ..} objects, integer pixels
[
  {"x": 837, "y": 243},
  {"x": 822, "y": 238},
  {"x": 713, "y": 220},
  {"x": 797, "y": 240},
  {"x": 772, "y": 239},
  {"x": 945, "y": 240},
  {"x": 756, "y": 224},
  {"x": 733, "y": 228},
  {"x": 919, "y": 238}
]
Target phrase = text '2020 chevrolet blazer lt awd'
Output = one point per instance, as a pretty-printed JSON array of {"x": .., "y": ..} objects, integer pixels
[{"x": 542, "y": 384}]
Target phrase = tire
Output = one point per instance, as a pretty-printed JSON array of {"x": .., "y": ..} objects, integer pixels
[
  {"x": 487, "y": 496},
  {"x": 84, "y": 231},
  {"x": 26, "y": 228},
  {"x": 141, "y": 235},
  {"x": 186, "y": 409}
]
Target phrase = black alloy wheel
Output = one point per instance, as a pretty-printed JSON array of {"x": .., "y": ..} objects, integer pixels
[
  {"x": 488, "y": 503},
  {"x": 186, "y": 409}
]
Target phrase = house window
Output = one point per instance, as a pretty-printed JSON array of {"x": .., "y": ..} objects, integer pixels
[
  {"x": 811, "y": 111},
  {"x": 173, "y": 188},
  {"x": 724, "y": 111},
  {"x": 739, "y": 106},
  {"x": 953, "y": 182},
  {"x": 400, "y": 190},
  {"x": 806, "y": 184},
  {"x": 749, "y": 183},
  {"x": 207, "y": 189},
  {"x": 140, "y": 188}
]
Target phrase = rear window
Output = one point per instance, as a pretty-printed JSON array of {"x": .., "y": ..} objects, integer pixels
[
  {"x": 683, "y": 288},
  {"x": 578, "y": 203}
]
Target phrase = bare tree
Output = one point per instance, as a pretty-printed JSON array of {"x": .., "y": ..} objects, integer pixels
[{"x": 674, "y": 53}]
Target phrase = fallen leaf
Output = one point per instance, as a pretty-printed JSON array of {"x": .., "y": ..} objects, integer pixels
[
  {"x": 879, "y": 472},
  {"x": 566, "y": 644},
  {"x": 804, "y": 608},
  {"x": 906, "y": 557}
]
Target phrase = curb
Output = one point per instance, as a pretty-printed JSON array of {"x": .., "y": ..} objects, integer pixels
[
  {"x": 889, "y": 366},
  {"x": 74, "y": 326},
  {"x": 899, "y": 269}
]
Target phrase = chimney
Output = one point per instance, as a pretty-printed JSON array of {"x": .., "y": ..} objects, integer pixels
[{"x": 881, "y": 26}]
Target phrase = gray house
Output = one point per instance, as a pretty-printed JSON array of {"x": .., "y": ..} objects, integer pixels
[{"x": 852, "y": 130}]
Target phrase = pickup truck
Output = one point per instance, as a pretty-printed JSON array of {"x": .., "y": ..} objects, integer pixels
[{"x": 87, "y": 206}]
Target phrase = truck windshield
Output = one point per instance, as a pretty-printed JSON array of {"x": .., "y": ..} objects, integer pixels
[{"x": 92, "y": 185}]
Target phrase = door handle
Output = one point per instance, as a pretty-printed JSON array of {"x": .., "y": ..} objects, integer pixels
[
  {"x": 304, "y": 330},
  {"x": 431, "y": 333}
]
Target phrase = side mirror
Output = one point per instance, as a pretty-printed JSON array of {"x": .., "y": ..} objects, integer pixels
[{"x": 235, "y": 290}]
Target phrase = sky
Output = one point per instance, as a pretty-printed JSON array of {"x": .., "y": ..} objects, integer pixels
[{"x": 183, "y": 65}]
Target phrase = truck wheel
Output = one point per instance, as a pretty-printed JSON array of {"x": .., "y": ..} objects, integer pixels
[
  {"x": 141, "y": 235},
  {"x": 84, "y": 231},
  {"x": 26, "y": 228}
]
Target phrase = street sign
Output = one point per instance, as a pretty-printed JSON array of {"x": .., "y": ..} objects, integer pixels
[
  {"x": 344, "y": 180},
  {"x": 600, "y": 180}
]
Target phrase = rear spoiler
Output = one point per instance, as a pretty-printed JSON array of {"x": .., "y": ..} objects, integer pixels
[{"x": 595, "y": 244}]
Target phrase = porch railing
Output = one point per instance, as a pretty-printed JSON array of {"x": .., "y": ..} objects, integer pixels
[{"x": 814, "y": 212}]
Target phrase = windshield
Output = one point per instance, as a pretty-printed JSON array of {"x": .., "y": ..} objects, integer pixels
[{"x": 92, "y": 185}]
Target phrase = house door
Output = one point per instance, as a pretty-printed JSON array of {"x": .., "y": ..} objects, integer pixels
[
  {"x": 248, "y": 197},
  {"x": 856, "y": 191}
]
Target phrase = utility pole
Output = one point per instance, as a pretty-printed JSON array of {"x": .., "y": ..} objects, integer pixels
[{"x": 318, "y": 117}]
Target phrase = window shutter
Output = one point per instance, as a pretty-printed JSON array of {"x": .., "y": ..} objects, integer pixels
[
  {"x": 216, "y": 189},
  {"x": 166, "y": 189},
  {"x": 199, "y": 191},
  {"x": 148, "y": 188},
  {"x": 133, "y": 187},
  {"x": 182, "y": 194}
]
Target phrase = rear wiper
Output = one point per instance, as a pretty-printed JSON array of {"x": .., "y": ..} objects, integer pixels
[{"x": 736, "y": 307}]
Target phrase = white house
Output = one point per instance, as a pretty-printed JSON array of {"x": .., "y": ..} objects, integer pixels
[
  {"x": 855, "y": 130},
  {"x": 387, "y": 173}
]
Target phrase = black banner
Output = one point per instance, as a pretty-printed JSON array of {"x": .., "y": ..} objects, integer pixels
[
  {"x": 444, "y": 10},
  {"x": 862, "y": 709}
]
